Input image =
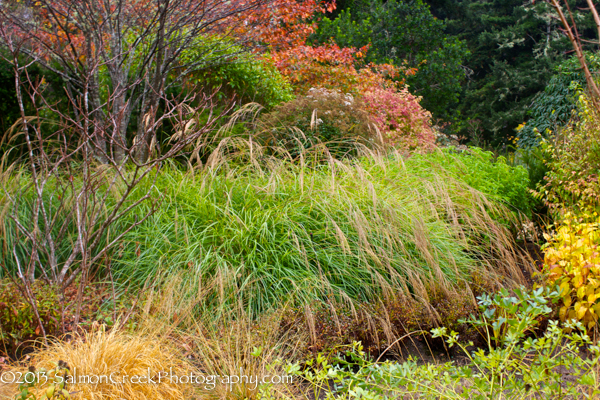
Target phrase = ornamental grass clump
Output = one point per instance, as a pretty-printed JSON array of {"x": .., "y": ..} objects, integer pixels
[
  {"x": 323, "y": 116},
  {"x": 240, "y": 351},
  {"x": 261, "y": 233},
  {"x": 103, "y": 365}
]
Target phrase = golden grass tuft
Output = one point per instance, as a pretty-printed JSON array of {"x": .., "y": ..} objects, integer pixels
[
  {"x": 102, "y": 353},
  {"x": 224, "y": 343},
  {"x": 255, "y": 349}
]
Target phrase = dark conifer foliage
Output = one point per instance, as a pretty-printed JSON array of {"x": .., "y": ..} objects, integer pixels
[{"x": 481, "y": 62}]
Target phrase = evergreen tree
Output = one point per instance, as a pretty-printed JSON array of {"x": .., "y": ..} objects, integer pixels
[
  {"x": 481, "y": 62},
  {"x": 515, "y": 46},
  {"x": 403, "y": 32}
]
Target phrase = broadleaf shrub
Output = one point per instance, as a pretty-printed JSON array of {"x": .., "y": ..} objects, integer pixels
[
  {"x": 553, "y": 108},
  {"x": 248, "y": 77},
  {"x": 18, "y": 322},
  {"x": 401, "y": 119},
  {"x": 331, "y": 67},
  {"x": 572, "y": 261},
  {"x": 573, "y": 160}
]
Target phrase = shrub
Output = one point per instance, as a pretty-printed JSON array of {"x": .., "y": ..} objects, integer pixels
[
  {"x": 323, "y": 116},
  {"x": 573, "y": 160},
  {"x": 482, "y": 171},
  {"x": 327, "y": 66},
  {"x": 403, "y": 33},
  {"x": 521, "y": 366},
  {"x": 534, "y": 160},
  {"x": 19, "y": 327},
  {"x": 553, "y": 108},
  {"x": 18, "y": 322},
  {"x": 237, "y": 73},
  {"x": 572, "y": 260},
  {"x": 399, "y": 116}
]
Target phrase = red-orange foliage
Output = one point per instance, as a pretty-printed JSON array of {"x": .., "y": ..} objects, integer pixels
[
  {"x": 283, "y": 29},
  {"x": 284, "y": 24},
  {"x": 55, "y": 30},
  {"x": 332, "y": 67},
  {"x": 402, "y": 121},
  {"x": 119, "y": 57}
]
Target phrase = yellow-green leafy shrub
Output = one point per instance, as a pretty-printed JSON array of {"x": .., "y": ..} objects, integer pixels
[
  {"x": 572, "y": 261},
  {"x": 573, "y": 161},
  {"x": 234, "y": 73}
]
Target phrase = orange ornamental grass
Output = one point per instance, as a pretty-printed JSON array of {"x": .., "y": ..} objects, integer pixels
[{"x": 110, "y": 365}]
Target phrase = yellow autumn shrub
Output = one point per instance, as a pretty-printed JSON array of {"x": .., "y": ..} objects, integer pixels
[{"x": 572, "y": 261}]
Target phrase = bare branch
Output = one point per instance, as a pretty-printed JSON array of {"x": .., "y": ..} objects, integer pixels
[{"x": 569, "y": 30}]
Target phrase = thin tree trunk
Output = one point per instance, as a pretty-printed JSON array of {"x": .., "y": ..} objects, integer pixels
[
  {"x": 153, "y": 93},
  {"x": 596, "y": 18},
  {"x": 593, "y": 88}
]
